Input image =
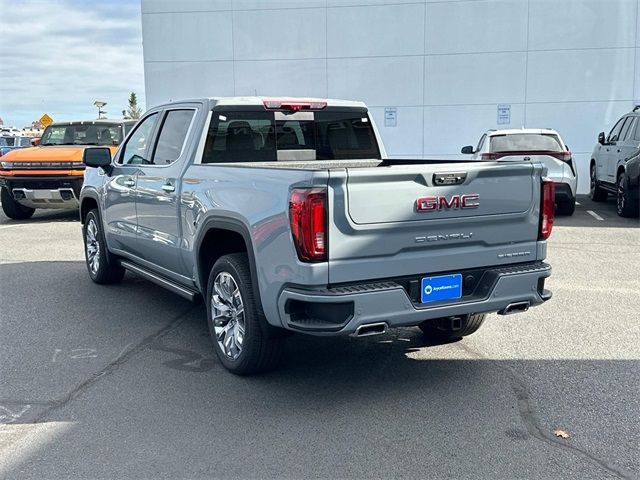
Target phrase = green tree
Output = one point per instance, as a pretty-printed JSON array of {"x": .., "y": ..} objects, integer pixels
[{"x": 132, "y": 111}]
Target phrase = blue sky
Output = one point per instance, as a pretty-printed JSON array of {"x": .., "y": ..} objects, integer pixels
[{"x": 59, "y": 56}]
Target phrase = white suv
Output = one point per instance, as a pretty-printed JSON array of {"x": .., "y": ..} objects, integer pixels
[{"x": 537, "y": 145}]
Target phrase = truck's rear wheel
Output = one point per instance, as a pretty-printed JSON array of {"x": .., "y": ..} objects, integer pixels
[
  {"x": 100, "y": 263},
  {"x": 240, "y": 340},
  {"x": 13, "y": 209},
  {"x": 445, "y": 329}
]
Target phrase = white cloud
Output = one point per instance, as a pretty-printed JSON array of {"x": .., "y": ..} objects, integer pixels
[{"x": 59, "y": 56}]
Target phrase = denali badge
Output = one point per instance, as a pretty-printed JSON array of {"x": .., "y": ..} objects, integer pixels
[
  {"x": 428, "y": 204},
  {"x": 446, "y": 236}
]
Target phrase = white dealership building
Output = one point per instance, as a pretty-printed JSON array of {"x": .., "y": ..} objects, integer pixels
[{"x": 436, "y": 74}]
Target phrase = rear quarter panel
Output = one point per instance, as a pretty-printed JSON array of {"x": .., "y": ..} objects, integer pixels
[{"x": 258, "y": 199}]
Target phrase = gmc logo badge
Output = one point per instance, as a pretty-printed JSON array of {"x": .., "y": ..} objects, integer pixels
[{"x": 429, "y": 204}]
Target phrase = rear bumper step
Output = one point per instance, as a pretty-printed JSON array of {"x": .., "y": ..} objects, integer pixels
[{"x": 344, "y": 309}]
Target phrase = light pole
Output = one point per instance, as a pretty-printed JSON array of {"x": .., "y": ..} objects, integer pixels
[{"x": 99, "y": 104}]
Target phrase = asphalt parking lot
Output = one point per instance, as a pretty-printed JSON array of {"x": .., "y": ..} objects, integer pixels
[{"x": 122, "y": 382}]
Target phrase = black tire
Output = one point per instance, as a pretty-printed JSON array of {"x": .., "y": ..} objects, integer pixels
[
  {"x": 566, "y": 207},
  {"x": 596, "y": 193},
  {"x": 105, "y": 270},
  {"x": 257, "y": 351},
  {"x": 441, "y": 329},
  {"x": 625, "y": 204},
  {"x": 13, "y": 209}
]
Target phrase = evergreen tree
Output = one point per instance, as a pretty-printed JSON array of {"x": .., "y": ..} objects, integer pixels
[{"x": 132, "y": 111}]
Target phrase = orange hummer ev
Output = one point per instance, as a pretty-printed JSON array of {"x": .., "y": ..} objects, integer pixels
[{"x": 51, "y": 174}]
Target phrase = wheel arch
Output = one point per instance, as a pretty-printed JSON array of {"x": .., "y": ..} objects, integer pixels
[
  {"x": 88, "y": 203},
  {"x": 220, "y": 236}
]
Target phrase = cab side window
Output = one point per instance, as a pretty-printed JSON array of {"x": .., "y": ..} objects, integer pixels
[
  {"x": 172, "y": 137},
  {"x": 135, "y": 149}
]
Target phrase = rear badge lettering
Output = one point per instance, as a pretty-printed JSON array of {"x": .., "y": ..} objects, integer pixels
[
  {"x": 513, "y": 254},
  {"x": 429, "y": 204},
  {"x": 448, "y": 236}
]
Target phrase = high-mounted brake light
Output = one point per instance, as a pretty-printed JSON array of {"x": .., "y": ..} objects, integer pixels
[
  {"x": 293, "y": 105},
  {"x": 307, "y": 214},
  {"x": 547, "y": 209}
]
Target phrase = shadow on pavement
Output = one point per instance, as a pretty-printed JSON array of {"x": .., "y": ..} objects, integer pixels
[
  {"x": 605, "y": 210},
  {"x": 338, "y": 407},
  {"x": 44, "y": 216}
]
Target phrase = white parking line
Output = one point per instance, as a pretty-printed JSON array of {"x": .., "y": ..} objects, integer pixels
[
  {"x": 577, "y": 203},
  {"x": 595, "y": 215}
]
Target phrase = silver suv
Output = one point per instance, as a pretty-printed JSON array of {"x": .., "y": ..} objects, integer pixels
[{"x": 609, "y": 167}]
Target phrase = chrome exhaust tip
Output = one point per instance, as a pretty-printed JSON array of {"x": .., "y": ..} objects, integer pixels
[
  {"x": 369, "y": 329},
  {"x": 517, "y": 307}
]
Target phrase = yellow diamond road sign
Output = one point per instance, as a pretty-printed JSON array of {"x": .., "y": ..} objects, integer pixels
[{"x": 46, "y": 120}]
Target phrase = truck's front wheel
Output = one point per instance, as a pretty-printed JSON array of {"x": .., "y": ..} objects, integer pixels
[
  {"x": 13, "y": 209},
  {"x": 240, "y": 340},
  {"x": 100, "y": 263},
  {"x": 445, "y": 329}
]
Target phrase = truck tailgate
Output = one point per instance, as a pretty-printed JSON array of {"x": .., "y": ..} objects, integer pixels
[{"x": 396, "y": 220}]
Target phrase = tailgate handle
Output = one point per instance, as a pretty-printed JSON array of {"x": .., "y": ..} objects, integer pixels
[{"x": 454, "y": 178}]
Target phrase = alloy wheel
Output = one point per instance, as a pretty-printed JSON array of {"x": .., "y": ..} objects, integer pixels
[
  {"x": 93, "y": 246},
  {"x": 227, "y": 311}
]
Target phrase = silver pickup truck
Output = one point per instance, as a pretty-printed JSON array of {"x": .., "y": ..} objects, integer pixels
[{"x": 285, "y": 215}]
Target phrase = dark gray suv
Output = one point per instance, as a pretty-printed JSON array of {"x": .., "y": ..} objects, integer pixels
[{"x": 614, "y": 165}]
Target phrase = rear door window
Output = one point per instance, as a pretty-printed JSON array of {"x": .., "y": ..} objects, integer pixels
[
  {"x": 266, "y": 136},
  {"x": 525, "y": 142},
  {"x": 172, "y": 137}
]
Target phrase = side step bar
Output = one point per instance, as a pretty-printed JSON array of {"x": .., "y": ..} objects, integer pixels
[{"x": 162, "y": 281}]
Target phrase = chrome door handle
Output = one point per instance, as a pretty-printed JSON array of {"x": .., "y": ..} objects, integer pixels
[
  {"x": 167, "y": 187},
  {"x": 129, "y": 182}
]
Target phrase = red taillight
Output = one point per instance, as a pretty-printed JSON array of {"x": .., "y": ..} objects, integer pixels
[
  {"x": 307, "y": 214},
  {"x": 293, "y": 104},
  {"x": 562, "y": 156},
  {"x": 547, "y": 208}
]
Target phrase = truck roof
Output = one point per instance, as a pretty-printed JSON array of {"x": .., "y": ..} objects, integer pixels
[{"x": 259, "y": 101}]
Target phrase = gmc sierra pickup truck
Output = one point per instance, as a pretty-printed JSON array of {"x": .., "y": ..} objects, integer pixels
[{"x": 285, "y": 215}]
